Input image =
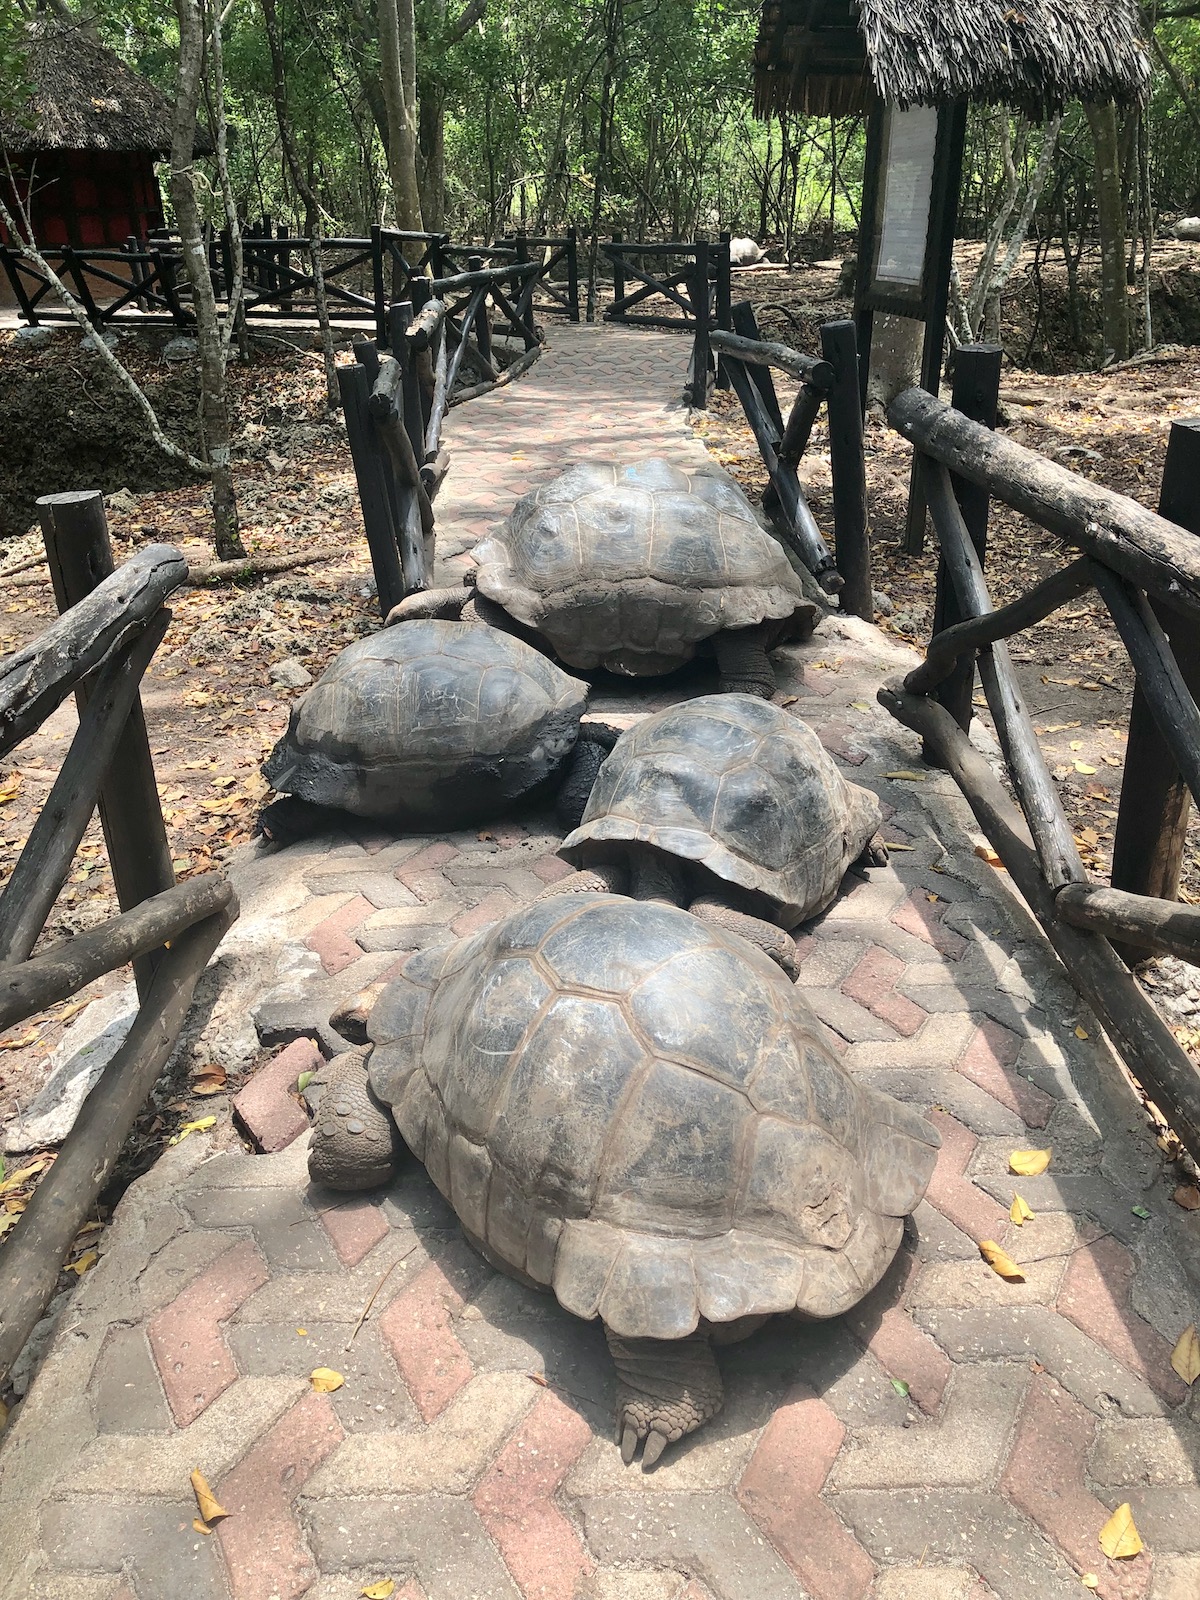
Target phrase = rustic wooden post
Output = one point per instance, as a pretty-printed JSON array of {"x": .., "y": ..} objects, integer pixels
[
  {"x": 378, "y": 524},
  {"x": 847, "y": 461},
  {"x": 618, "y": 271},
  {"x": 79, "y": 555},
  {"x": 378, "y": 288},
  {"x": 975, "y": 394},
  {"x": 573, "y": 273},
  {"x": 482, "y": 326},
  {"x": 702, "y": 351},
  {"x": 745, "y": 323},
  {"x": 1153, "y": 813},
  {"x": 399, "y": 321}
]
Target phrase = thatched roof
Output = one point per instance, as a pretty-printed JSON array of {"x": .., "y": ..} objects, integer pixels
[
  {"x": 86, "y": 98},
  {"x": 835, "y": 56}
]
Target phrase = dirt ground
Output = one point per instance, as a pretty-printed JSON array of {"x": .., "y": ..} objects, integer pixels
[{"x": 237, "y": 656}]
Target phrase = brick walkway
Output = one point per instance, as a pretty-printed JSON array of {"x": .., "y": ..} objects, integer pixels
[{"x": 468, "y": 1455}]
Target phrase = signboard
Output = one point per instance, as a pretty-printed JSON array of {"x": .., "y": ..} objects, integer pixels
[{"x": 910, "y": 146}]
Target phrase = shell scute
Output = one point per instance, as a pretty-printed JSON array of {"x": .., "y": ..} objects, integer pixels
[{"x": 710, "y": 1008}]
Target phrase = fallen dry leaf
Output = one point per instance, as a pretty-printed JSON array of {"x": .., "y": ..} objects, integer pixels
[
  {"x": 1188, "y": 1196},
  {"x": 1089, "y": 1580},
  {"x": 325, "y": 1381},
  {"x": 1001, "y": 1263},
  {"x": 32, "y": 1037},
  {"x": 1185, "y": 1357},
  {"x": 1019, "y": 1211},
  {"x": 986, "y": 853},
  {"x": 88, "y": 1259},
  {"x": 1118, "y": 1537},
  {"x": 200, "y": 1125},
  {"x": 209, "y": 1080},
  {"x": 209, "y": 1506},
  {"x": 909, "y": 777},
  {"x": 1080, "y": 1033},
  {"x": 1028, "y": 1163},
  {"x": 380, "y": 1590}
]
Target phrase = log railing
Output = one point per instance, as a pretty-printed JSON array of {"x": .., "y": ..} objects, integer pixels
[
  {"x": 676, "y": 283},
  {"x": 110, "y": 625},
  {"x": 832, "y": 380},
  {"x": 1146, "y": 569}
]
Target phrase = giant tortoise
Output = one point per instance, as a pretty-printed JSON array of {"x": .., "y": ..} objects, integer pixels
[
  {"x": 637, "y": 1111},
  {"x": 728, "y": 805},
  {"x": 432, "y": 725},
  {"x": 633, "y": 568}
]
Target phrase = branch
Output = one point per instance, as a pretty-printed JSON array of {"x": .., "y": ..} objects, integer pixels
[{"x": 474, "y": 11}]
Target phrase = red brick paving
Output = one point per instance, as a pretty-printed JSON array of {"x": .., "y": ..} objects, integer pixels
[
  {"x": 418, "y": 1327},
  {"x": 873, "y": 984},
  {"x": 266, "y": 1105},
  {"x": 988, "y": 1060},
  {"x": 331, "y": 939},
  {"x": 192, "y": 1357},
  {"x": 1095, "y": 1296},
  {"x": 355, "y": 1226},
  {"x": 954, "y": 1195}
]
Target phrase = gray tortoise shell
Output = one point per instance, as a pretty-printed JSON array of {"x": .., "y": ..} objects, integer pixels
[
  {"x": 740, "y": 788},
  {"x": 429, "y": 721},
  {"x": 630, "y": 567},
  {"x": 637, "y": 1110}
]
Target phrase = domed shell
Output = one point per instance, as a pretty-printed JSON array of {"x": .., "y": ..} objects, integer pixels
[
  {"x": 429, "y": 722},
  {"x": 741, "y": 789},
  {"x": 637, "y": 1109},
  {"x": 630, "y": 567}
]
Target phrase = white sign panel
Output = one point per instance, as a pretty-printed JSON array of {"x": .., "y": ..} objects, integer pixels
[{"x": 907, "y": 191}]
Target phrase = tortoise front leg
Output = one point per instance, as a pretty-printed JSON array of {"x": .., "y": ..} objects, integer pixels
[
  {"x": 666, "y": 1388},
  {"x": 743, "y": 662},
  {"x": 874, "y": 853},
  {"x": 355, "y": 1143},
  {"x": 763, "y": 935},
  {"x": 606, "y": 878},
  {"x": 442, "y": 605}
]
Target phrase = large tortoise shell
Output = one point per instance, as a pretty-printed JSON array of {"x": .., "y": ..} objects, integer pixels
[
  {"x": 429, "y": 721},
  {"x": 637, "y": 1109},
  {"x": 742, "y": 789},
  {"x": 630, "y": 567}
]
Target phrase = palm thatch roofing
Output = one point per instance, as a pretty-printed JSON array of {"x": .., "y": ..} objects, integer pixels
[
  {"x": 85, "y": 98},
  {"x": 833, "y": 57}
]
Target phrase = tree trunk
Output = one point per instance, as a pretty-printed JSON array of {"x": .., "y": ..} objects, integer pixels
[
  {"x": 1102, "y": 119},
  {"x": 433, "y": 157},
  {"x": 214, "y": 408},
  {"x": 398, "y": 69}
]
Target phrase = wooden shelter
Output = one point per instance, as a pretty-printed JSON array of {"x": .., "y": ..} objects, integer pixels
[
  {"x": 83, "y": 147},
  {"x": 835, "y": 57}
]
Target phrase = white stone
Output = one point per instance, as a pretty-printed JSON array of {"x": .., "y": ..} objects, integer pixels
[
  {"x": 81, "y": 1055},
  {"x": 289, "y": 674}
]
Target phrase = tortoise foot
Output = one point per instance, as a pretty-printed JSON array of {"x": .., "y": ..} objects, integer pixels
[
  {"x": 666, "y": 1388},
  {"x": 763, "y": 935},
  {"x": 875, "y": 853},
  {"x": 581, "y": 771},
  {"x": 743, "y": 663},
  {"x": 355, "y": 1143}
]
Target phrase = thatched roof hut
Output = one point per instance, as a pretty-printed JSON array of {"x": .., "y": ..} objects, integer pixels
[
  {"x": 833, "y": 57},
  {"x": 85, "y": 98}
]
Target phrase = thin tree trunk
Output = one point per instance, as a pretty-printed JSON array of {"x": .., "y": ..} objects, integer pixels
[
  {"x": 398, "y": 64},
  {"x": 991, "y": 304},
  {"x": 214, "y": 407},
  {"x": 1102, "y": 119}
]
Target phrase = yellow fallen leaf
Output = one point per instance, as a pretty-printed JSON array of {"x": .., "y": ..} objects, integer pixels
[
  {"x": 1089, "y": 1580},
  {"x": 1080, "y": 1033},
  {"x": 210, "y": 1507},
  {"x": 385, "y": 1586},
  {"x": 1082, "y": 766},
  {"x": 1028, "y": 1163},
  {"x": 1001, "y": 1264},
  {"x": 3, "y": 1416},
  {"x": 909, "y": 777},
  {"x": 986, "y": 853},
  {"x": 32, "y": 1037},
  {"x": 201, "y": 1125},
  {"x": 200, "y": 1527},
  {"x": 1118, "y": 1537},
  {"x": 325, "y": 1380},
  {"x": 88, "y": 1259},
  {"x": 303, "y": 1332},
  {"x": 1185, "y": 1357},
  {"x": 1019, "y": 1211}
]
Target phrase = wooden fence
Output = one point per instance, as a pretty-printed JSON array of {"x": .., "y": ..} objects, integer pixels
[
  {"x": 691, "y": 289},
  {"x": 143, "y": 283},
  {"x": 1146, "y": 569},
  {"x": 111, "y": 624},
  {"x": 746, "y": 361}
]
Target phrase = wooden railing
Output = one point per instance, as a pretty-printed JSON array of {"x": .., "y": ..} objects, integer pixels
[
  {"x": 111, "y": 624},
  {"x": 1146, "y": 568},
  {"x": 746, "y": 360},
  {"x": 691, "y": 289}
]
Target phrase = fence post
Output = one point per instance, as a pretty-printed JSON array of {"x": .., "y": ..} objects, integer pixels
[
  {"x": 354, "y": 383},
  {"x": 618, "y": 271},
  {"x": 702, "y": 352},
  {"x": 839, "y": 346},
  {"x": 482, "y": 326},
  {"x": 399, "y": 320},
  {"x": 1153, "y": 814},
  {"x": 283, "y": 261},
  {"x": 573, "y": 273},
  {"x": 79, "y": 555},
  {"x": 378, "y": 290},
  {"x": 975, "y": 393},
  {"x": 724, "y": 300}
]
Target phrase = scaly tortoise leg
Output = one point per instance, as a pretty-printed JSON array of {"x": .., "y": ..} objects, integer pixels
[
  {"x": 874, "y": 853},
  {"x": 607, "y": 879},
  {"x": 580, "y": 772},
  {"x": 666, "y": 1388},
  {"x": 765, "y": 936},
  {"x": 355, "y": 1143},
  {"x": 743, "y": 663}
]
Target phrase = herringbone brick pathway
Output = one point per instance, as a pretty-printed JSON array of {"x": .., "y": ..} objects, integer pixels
[{"x": 955, "y": 1437}]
